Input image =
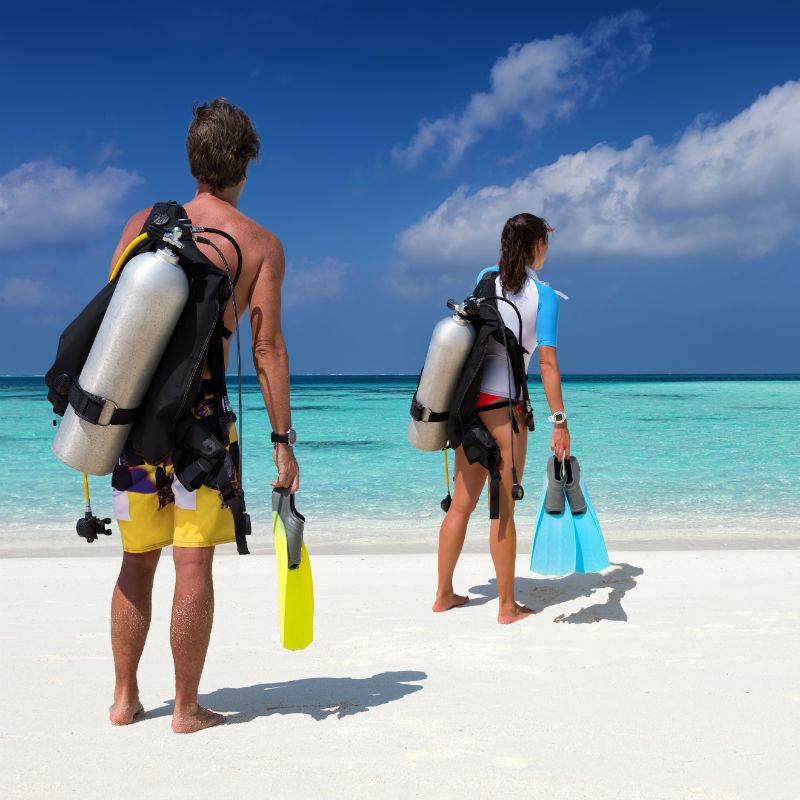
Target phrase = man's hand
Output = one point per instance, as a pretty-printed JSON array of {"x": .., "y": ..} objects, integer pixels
[{"x": 288, "y": 469}]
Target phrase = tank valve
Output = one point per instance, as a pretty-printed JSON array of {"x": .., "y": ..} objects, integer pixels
[{"x": 173, "y": 238}]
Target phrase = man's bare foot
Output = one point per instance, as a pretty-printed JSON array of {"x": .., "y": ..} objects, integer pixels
[
  {"x": 450, "y": 600},
  {"x": 123, "y": 713},
  {"x": 195, "y": 719},
  {"x": 515, "y": 615}
]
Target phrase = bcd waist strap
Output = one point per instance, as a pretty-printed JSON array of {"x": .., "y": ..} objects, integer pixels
[{"x": 202, "y": 459}]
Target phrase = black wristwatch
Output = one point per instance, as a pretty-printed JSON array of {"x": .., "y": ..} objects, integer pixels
[{"x": 290, "y": 437}]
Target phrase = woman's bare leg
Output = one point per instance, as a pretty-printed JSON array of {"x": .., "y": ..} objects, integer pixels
[
  {"x": 468, "y": 482},
  {"x": 503, "y": 532}
]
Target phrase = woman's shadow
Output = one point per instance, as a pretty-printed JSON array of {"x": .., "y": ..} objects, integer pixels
[
  {"x": 539, "y": 593},
  {"x": 320, "y": 698}
]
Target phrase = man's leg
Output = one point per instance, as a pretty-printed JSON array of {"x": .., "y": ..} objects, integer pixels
[
  {"x": 192, "y": 617},
  {"x": 131, "y": 606}
]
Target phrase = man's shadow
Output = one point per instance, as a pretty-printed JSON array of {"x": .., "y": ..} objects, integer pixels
[
  {"x": 320, "y": 698},
  {"x": 539, "y": 593}
]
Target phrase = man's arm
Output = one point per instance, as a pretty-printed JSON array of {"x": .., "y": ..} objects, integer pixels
[{"x": 271, "y": 359}]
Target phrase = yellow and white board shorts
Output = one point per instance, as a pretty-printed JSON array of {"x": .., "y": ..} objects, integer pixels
[{"x": 155, "y": 510}]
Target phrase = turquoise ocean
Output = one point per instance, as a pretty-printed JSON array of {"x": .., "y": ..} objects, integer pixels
[{"x": 669, "y": 461}]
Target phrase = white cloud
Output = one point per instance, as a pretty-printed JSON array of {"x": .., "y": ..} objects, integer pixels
[
  {"x": 42, "y": 203},
  {"x": 25, "y": 293},
  {"x": 312, "y": 284},
  {"x": 730, "y": 187},
  {"x": 108, "y": 151},
  {"x": 537, "y": 82}
]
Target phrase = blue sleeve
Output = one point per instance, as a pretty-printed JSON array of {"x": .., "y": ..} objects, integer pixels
[
  {"x": 484, "y": 271},
  {"x": 546, "y": 317}
]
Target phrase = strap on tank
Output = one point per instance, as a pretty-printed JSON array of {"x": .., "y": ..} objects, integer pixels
[
  {"x": 421, "y": 413},
  {"x": 92, "y": 407}
]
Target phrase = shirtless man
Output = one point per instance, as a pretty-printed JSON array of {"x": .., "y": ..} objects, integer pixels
[{"x": 220, "y": 144}]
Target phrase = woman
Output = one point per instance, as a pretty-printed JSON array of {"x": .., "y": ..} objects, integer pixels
[{"x": 523, "y": 249}]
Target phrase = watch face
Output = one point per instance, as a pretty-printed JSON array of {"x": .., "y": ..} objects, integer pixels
[{"x": 292, "y": 434}]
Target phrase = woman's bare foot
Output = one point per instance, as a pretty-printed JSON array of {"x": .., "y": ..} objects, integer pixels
[
  {"x": 516, "y": 613},
  {"x": 191, "y": 720},
  {"x": 449, "y": 600},
  {"x": 123, "y": 712}
]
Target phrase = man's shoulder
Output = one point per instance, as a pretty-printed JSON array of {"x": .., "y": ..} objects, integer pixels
[
  {"x": 249, "y": 234},
  {"x": 255, "y": 231},
  {"x": 136, "y": 222}
]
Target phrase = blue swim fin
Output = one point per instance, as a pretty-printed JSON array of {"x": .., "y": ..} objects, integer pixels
[
  {"x": 554, "y": 542},
  {"x": 295, "y": 587},
  {"x": 566, "y": 543},
  {"x": 591, "y": 555}
]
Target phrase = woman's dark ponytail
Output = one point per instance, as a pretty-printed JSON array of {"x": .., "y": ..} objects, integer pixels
[{"x": 517, "y": 244}]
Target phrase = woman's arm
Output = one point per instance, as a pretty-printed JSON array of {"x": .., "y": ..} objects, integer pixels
[{"x": 551, "y": 382}]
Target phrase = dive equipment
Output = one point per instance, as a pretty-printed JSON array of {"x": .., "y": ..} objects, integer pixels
[
  {"x": 290, "y": 437},
  {"x": 567, "y": 541},
  {"x": 464, "y": 425},
  {"x": 572, "y": 486},
  {"x": 444, "y": 408},
  {"x": 164, "y": 425},
  {"x": 446, "y": 501},
  {"x": 558, "y": 417},
  {"x": 144, "y": 309},
  {"x": 554, "y": 487},
  {"x": 295, "y": 585},
  {"x": 451, "y": 342},
  {"x": 88, "y": 526}
]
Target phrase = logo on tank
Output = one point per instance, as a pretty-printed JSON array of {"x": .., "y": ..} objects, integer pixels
[{"x": 161, "y": 219}]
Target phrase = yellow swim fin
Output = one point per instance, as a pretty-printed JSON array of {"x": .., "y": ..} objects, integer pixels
[{"x": 295, "y": 587}]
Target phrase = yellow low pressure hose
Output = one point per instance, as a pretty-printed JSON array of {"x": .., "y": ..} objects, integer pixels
[{"x": 124, "y": 257}]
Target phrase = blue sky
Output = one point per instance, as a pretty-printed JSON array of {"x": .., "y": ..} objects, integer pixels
[{"x": 660, "y": 140}]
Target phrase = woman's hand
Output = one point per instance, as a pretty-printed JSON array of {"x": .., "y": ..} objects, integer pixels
[
  {"x": 551, "y": 382},
  {"x": 559, "y": 444}
]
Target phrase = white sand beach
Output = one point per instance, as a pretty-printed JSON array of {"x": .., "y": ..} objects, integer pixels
[{"x": 671, "y": 675}]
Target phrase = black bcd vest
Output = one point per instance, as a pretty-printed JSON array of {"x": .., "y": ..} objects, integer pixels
[
  {"x": 163, "y": 425},
  {"x": 464, "y": 425}
]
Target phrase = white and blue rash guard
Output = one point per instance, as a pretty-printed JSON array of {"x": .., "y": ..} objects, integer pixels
[{"x": 538, "y": 306}]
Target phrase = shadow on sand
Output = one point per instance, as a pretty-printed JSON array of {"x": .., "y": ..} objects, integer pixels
[
  {"x": 540, "y": 593},
  {"x": 320, "y": 698}
]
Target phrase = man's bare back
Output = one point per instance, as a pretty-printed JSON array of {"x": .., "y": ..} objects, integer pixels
[{"x": 262, "y": 254}]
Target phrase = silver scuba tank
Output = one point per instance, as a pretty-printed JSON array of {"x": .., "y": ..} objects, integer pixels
[
  {"x": 450, "y": 345},
  {"x": 144, "y": 309}
]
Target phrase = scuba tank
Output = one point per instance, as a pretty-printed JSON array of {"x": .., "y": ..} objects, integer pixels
[
  {"x": 148, "y": 300},
  {"x": 451, "y": 343}
]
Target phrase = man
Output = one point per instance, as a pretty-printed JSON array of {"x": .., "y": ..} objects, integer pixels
[{"x": 220, "y": 144}]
